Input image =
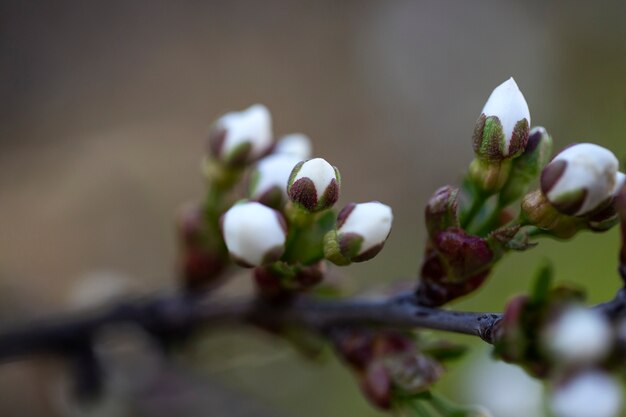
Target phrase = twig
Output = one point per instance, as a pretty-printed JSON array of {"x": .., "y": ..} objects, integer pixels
[{"x": 173, "y": 317}]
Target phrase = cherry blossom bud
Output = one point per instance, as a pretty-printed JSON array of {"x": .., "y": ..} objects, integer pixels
[
  {"x": 580, "y": 178},
  {"x": 238, "y": 138},
  {"x": 589, "y": 394},
  {"x": 441, "y": 210},
  {"x": 501, "y": 131},
  {"x": 361, "y": 232},
  {"x": 579, "y": 335},
  {"x": 295, "y": 144},
  {"x": 489, "y": 176},
  {"x": 268, "y": 181},
  {"x": 254, "y": 234},
  {"x": 314, "y": 184}
]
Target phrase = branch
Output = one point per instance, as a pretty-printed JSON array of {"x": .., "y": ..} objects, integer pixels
[{"x": 173, "y": 317}]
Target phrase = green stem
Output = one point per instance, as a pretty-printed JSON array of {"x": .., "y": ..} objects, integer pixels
[
  {"x": 419, "y": 409},
  {"x": 476, "y": 206}
]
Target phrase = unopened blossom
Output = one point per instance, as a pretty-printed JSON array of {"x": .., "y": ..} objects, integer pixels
[
  {"x": 254, "y": 234},
  {"x": 589, "y": 394},
  {"x": 314, "y": 184},
  {"x": 268, "y": 181},
  {"x": 242, "y": 137},
  {"x": 296, "y": 144},
  {"x": 579, "y": 335},
  {"x": 360, "y": 234},
  {"x": 581, "y": 178},
  {"x": 501, "y": 131}
]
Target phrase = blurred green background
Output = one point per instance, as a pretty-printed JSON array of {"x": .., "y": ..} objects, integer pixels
[{"x": 105, "y": 107}]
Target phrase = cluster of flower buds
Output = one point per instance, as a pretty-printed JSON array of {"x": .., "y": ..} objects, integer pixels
[
  {"x": 455, "y": 263},
  {"x": 285, "y": 228},
  {"x": 386, "y": 363},
  {"x": 573, "y": 347},
  {"x": 578, "y": 191},
  {"x": 501, "y": 134}
]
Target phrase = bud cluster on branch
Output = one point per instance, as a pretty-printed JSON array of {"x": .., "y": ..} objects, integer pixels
[{"x": 271, "y": 207}]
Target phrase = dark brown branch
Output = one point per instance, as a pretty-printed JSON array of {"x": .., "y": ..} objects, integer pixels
[{"x": 173, "y": 317}]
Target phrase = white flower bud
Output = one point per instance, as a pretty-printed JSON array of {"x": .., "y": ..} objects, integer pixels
[
  {"x": 268, "y": 182},
  {"x": 360, "y": 234},
  {"x": 254, "y": 234},
  {"x": 620, "y": 179},
  {"x": 295, "y": 144},
  {"x": 579, "y": 335},
  {"x": 314, "y": 184},
  {"x": 580, "y": 178},
  {"x": 502, "y": 128},
  {"x": 239, "y": 138},
  {"x": 590, "y": 394}
]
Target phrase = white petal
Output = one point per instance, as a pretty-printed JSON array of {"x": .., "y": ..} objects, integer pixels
[
  {"x": 319, "y": 171},
  {"x": 620, "y": 178},
  {"x": 295, "y": 144},
  {"x": 591, "y": 167},
  {"x": 506, "y": 390},
  {"x": 253, "y": 124},
  {"x": 592, "y": 394},
  {"x": 372, "y": 221},
  {"x": 274, "y": 171},
  {"x": 507, "y": 103},
  {"x": 251, "y": 230},
  {"x": 578, "y": 336}
]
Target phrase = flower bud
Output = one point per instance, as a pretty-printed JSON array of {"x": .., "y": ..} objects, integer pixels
[
  {"x": 441, "y": 210},
  {"x": 538, "y": 211},
  {"x": 295, "y": 144},
  {"x": 268, "y": 181},
  {"x": 238, "y": 138},
  {"x": 489, "y": 176},
  {"x": 579, "y": 336},
  {"x": 361, "y": 232},
  {"x": 580, "y": 178},
  {"x": 314, "y": 184},
  {"x": 254, "y": 234},
  {"x": 501, "y": 131},
  {"x": 589, "y": 394},
  {"x": 528, "y": 165}
]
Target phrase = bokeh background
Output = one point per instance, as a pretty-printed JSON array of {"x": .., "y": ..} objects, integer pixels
[{"x": 104, "y": 110}]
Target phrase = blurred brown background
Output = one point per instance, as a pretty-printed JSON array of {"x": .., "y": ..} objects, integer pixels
[{"x": 104, "y": 108}]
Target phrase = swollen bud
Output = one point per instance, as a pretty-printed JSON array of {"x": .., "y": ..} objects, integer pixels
[
  {"x": 314, "y": 185},
  {"x": 489, "y": 176},
  {"x": 238, "y": 138},
  {"x": 441, "y": 210},
  {"x": 578, "y": 336},
  {"x": 268, "y": 181},
  {"x": 360, "y": 234},
  {"x": 580, "y": 179},
  {"x": 501, "y": 131},
  {"x": 528, "y": 165},
  {"x": 295, "y": 144},
  {"x": 254, "y": 234},
  {"x": 588, "y": 394}
]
